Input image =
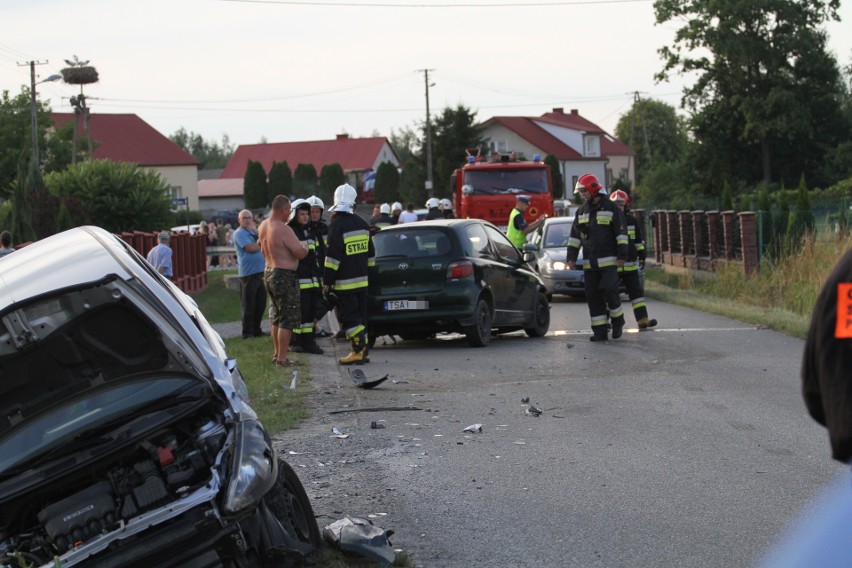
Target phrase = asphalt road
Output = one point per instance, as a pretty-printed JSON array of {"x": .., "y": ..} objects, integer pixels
[{"x": 688, "y": 445}]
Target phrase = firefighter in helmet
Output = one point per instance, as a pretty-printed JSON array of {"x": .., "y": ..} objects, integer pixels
[
  {"x": 350, "y": 252},
  {"x": 629, "y": 273},
  {"x": 599, "y": 228}
]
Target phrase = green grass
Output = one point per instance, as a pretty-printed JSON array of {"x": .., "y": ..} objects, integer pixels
[
  {"x": 278, "y": 407},
  {"x": 780, "y": 296},
  {"x": 217, "y": 303}
]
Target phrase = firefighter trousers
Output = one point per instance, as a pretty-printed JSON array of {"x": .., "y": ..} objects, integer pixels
[
  {"x": 635, "y": 292},
  {"x": 353, "y": 316},
  {"x": 602, "y": 293}
]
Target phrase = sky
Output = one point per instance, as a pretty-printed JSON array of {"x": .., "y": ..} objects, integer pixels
[{"x": 284, "y": 71}]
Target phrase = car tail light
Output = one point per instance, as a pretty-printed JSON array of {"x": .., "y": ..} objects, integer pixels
[{"x": 459, "y": 269}]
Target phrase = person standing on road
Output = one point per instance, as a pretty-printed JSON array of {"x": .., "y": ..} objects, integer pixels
[
  {"x": 433, "y": 204},
  {"x": 350, "y": 253},
  {"x": 160, "y": 257},
  {"x": 383, "y": 219},
  {"x": 282, "y": 250},
  {"x": 629, "y": 273},
  {"x": 599, "y": 228},
  {"x": 309, "y": 279},
  {"x": 408, "y": 216},
  {"x": 396, "y": 211},
  {"x": 518, "y": 229},
  {"x": 447, "y": 208},
  {"x": 250, "y": 265}
]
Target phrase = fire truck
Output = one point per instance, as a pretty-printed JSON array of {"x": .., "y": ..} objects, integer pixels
[{"x": 487, "y": 188}]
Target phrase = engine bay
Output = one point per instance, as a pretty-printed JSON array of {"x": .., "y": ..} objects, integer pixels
[{"x": 68, "y": 512}]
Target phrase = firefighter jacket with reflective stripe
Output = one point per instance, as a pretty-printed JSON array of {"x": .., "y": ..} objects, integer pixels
[
  {"x": 309, "y": 271},
  {"x": 349, "y": 255},
  {"x": 600, "y": 230}
]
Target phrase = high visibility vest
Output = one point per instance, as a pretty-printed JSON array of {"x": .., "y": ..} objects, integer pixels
[{"x": 515, "y": 235}]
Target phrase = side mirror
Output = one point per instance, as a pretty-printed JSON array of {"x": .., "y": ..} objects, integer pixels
[
  {"x": 530, "y": 247},
  {"x": 529, "y": 256}
]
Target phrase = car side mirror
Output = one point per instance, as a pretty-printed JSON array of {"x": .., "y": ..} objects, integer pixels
[
  {"x": 530, "y": 247},
  {"x": 529, "y": 256}
]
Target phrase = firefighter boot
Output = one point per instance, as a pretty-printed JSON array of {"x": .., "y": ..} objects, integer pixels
[
  {"x": 354, "y": 358},
  {"x": 645, "y": 323},
  {"x": 309, "y": 344},
  {"x": 599, "y": 332},
  {"x": 617, "y": 327}
]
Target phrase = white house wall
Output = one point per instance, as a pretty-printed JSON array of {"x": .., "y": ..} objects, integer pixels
[
  {"x": 385, "y": 155},
  {"x": 514, "y": 143},
  {"x": 568, "y": 136}
]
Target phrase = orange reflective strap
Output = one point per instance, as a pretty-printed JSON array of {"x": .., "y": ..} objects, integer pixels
[{"x": 844, "y": 311}]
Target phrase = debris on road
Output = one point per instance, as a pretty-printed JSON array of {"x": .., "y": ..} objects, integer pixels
[
  {"x": 360, "y": 379},
  {"x": 473, "y": 428},
  {"x": 293, "y": 382},
  {"x": 533, "y": 410},
  {"x": 336, "y": 433},
  {"x": 525, "y": 400},
  {"x": 360, "y": 536}
]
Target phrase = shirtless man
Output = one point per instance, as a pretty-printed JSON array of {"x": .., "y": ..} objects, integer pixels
[{"x": 282, "y": 250}]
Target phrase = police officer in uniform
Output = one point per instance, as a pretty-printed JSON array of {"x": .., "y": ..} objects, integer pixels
[{"x": 518, "y": 228}]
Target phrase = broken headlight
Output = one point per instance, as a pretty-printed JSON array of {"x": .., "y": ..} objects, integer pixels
[{"x": 254, "y": 467}]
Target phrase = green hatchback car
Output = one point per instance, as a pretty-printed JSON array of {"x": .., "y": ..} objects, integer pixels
[{"x": 454, "y": 275}]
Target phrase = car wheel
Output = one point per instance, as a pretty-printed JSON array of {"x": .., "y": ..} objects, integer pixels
[
  {"x": 479, "y": 334},
  {"x": 541, "y": 319},
  {"x": 290, "y": 504}
]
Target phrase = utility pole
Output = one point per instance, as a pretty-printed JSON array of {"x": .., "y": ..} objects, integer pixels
[
  {"x": 33, "y": 108},
  {"x": 637, "y": 108},
  {"x": 429, "y": 184}
]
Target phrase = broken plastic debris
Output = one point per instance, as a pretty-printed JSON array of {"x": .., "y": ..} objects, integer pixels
[
  {"x": 473, "y": 428},
  {"x": 293, "y": 382},
  {"x": 533, "y": 410},
  {"x": 376, "y": 426},
  {"x": 525, "y": 400},
  {"x": 359, "y": 378},
  {"x": 336, "y": 431},
  {"x": 399, "y": 382},
  {"x": 359, "y": 535}
]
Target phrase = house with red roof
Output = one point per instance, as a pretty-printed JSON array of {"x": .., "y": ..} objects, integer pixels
[
  {"x": 128, "y": 138},
  {"x": 357, "y": 156},
  {"x": 578, "y": 144}
]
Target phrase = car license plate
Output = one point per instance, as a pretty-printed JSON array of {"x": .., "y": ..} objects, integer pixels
[{"x": 391, "y": 305}]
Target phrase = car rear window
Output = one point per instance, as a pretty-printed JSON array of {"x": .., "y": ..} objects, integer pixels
[{"x": 412, "y": 243}]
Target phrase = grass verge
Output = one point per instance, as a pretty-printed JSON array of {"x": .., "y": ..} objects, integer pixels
[
  {"x": 218, "y": 303},
  {"x": 278, "y": 407}
]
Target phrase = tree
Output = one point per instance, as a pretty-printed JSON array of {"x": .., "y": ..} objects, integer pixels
[
  {"x": 280, "y": 180},
  {"x": 765, "y": 84},
  {"x": 387, "y": 183},
  {"x": 801, "y": 218},
  {"x": 409, "y": 149},
  {"x": 331, "y": 176},
  {"x": 455, "y": 130},
  {"x": 556, "y": 177},
  {"x": 114, "y": 195},
  {"x": 305, "y": 180},
  {"x": 654, "y": 132},
  {"x": 210, "y": 155},
  {"x": 255, "y": 190}
]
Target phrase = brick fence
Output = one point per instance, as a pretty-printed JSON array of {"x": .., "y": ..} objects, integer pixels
[{"x": 705, "y": 240}]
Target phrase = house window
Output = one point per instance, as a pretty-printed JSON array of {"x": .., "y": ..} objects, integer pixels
[
  {"x": 592, "y": 145},
  {"x": 175, "y": 191},
  {"x": 500, "y": 146}
]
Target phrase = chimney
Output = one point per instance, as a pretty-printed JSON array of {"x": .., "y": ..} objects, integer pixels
[
  {"x": 343, "y": 136},
  {"x": 559, "y": 110},
  {"x": 574, "y": 112}
]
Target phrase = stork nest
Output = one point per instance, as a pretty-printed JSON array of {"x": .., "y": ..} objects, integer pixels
[{"x": 80, "y": 75}]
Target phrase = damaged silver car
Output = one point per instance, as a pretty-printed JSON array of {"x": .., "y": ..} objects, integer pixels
[{"x": 126, "y": 435}]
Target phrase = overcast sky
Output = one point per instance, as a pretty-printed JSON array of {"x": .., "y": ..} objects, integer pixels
[{"x": 290, "y": 71}]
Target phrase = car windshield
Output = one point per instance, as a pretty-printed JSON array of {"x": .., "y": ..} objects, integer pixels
[
  {"x": 413, "y": 243},
  {"x": 556, "y": 234},
  {"x": 70, "y": 421},
  {"x": 507, "y": 181}
]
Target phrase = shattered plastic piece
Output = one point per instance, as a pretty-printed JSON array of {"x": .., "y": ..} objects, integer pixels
[
  {"x": 359, "y": 536},
  {"x": 293, "y": 382},
  {"x": 341, "y": 436},
  {"x": 376, "y": 426},
  {"x": 399, "y": 382},
  {"x": 525, "y": 400},
  {"x": 359, "y": 378},
  {"x": 533, "y": 410},
  {"x": 336, "y": 431},
  {"x": 473, "y": 428}
]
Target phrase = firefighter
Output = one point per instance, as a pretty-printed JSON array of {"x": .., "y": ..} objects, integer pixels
[
  {"x": 518, "y": 228},
  {"x": 447, "y": 208},
  {"x": 434, "y": 207},
  {"x": 350, "y": 252},
  {"x": 383, "y": 219},
  {"x": 599, "y": 228},
  {"x": 396, "y": 211},
  {"x": 629, "y": 273},
  {"x": 308, "y": 273}
]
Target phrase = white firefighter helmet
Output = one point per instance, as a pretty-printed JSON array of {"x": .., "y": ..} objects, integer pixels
[
  {"x": 344, "y": 199},
  {"x": 316, "y": 202},
  {"x": 295, "y": 205},
  {"x": 385, "y": 208},
  {"x": 397, "y": 206},
  {"x": 447, "y": 204},
  {"x": 432, "y": 203}
]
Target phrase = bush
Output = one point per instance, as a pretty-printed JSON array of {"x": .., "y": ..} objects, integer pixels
[{"x": 387, "y": 183}]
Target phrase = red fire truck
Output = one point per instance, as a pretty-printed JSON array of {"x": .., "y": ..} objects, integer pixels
[{"x": 487, "y": 189}]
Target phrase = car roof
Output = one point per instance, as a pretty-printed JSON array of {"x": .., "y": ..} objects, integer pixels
[{"x": 435, "y": 223}]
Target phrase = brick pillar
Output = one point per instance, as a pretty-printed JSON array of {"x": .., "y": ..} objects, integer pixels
[
  {"x": 697, "y": 232},
  {"x": 671, "y": 219},
  {"x": 712, "y": 221},
  {"x": 748, "y": 238},
  {"x": 661, "y": 235},
  {"x": 684, "y": 224},
  {"x": 728, "y": 233}
]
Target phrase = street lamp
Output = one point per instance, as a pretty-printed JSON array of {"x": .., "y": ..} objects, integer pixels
[{"x": 34, "y": 109}]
